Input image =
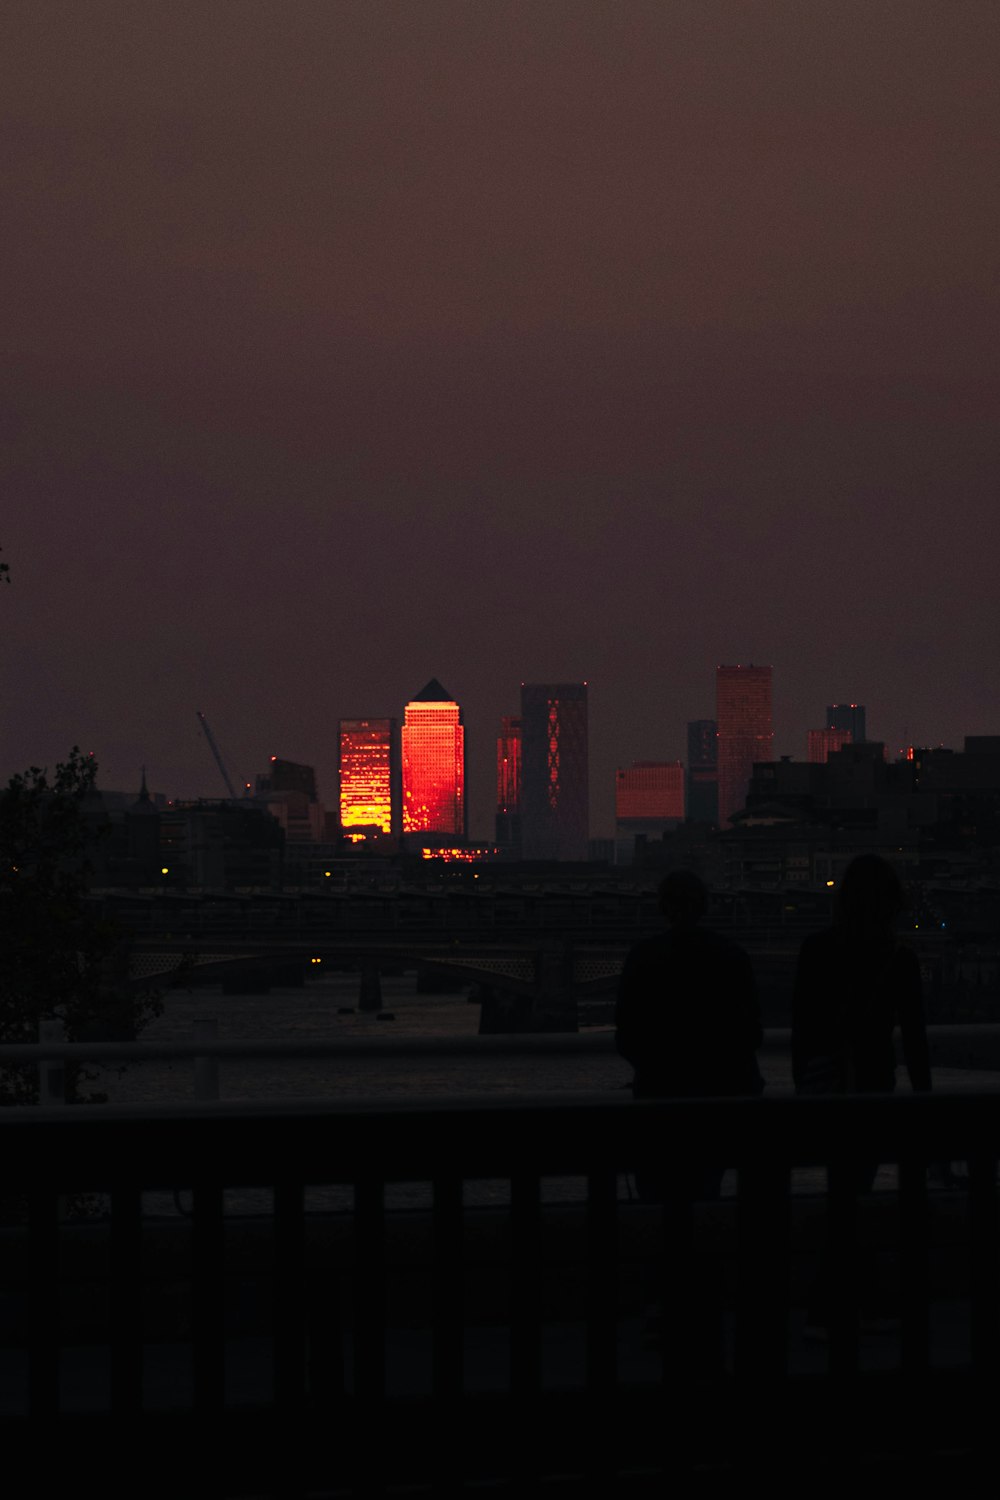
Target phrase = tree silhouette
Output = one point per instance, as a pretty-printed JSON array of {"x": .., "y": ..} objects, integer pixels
[{"x": 59, "y": 958}]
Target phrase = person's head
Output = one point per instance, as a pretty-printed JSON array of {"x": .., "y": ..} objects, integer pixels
[
  {"x": 870, "y": 895},
  {"x": 683, "y": 898}
]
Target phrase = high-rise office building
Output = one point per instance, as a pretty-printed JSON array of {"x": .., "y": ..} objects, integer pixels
[
  {"x": 288, "y": 790},
  {"x": 554, "y": 778},
  {"x": 649, "y": 802},
  {"x": 508, "y": 814},
  {"x": 433, "y": 755},
  {"x": 743, "y": 714},
  {"x": 650, "y": 790},
  {"x": 821, "y": 743},
  {"x": 288, "y": 776},
  {"x": 703, "y": 771},
  {"x": 849, "y": 716},
  {"x": 369, "y": 777}
]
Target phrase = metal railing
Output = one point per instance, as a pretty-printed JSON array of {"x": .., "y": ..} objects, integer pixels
[
  {"x": 975, "y": 1047},
  {"x": 334, "y": 1402}
]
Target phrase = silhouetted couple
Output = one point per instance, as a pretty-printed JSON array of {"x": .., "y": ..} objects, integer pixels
[{"x": 689, "y": 1023}]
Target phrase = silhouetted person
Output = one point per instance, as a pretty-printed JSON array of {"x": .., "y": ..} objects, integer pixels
[
  {"x": 689, "y": 1023},
  {"x": 687, "y": 1016},
  {"x": 854, "y": 984},
  {"x": 688, "y": 1020}
]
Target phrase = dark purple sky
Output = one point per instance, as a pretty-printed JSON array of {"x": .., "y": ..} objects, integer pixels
[{"x": 350, "y": 344}]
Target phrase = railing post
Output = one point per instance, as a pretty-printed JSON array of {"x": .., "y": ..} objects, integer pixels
[
  {"x": 206, "y": 1068},
  {"x": 51, "y": 1071}
]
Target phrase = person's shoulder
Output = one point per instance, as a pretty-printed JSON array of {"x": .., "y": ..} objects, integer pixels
[
  {"x": 649, "y": 948},
  {"x": 904, "y": 958}
]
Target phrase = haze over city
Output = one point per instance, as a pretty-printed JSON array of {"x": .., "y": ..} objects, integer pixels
[{"x": 355, "y": 345}]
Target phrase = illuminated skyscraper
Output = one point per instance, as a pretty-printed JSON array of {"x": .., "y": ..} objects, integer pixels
[
  {"x": 850, "y": 716},
  {"x": 821, "y": 743},
  {"x": 649, "y": 802},
  {"x": 369, "y": 776},
  {"x": 743, "y": 714},
  {"x": 433, "y": 753},
  {"x": 554, "y": 778},
  {"x": 650, "y": 790},
  {"x": 508, "y": 819}
]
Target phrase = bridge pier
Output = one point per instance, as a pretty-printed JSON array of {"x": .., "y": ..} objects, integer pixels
[
  {"x": 437, "y": 981},
  {"x": 370, "y": 988},
  {"x": 555, "y": 998},
  {"x": 503, "y": 1011}
]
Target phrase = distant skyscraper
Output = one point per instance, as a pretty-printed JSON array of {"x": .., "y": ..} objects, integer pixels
[
  {"x": 288, "y": 790},
  {"x": 650, "y": 791},
  {"x": 555, "y": 778},
  {"x": 369, "y": 775},
  {"x": 649, "y": 802},
  {"x": 508, "y": 818},
  {"x": 433, "y": 754},
  {"x": 821, "y": 743},
  {"x": 743, "y": 712},
  {"x": 850, "y": 716},
  {"x": 288, "y": 776},
  {"x": 703, "y": 771}
]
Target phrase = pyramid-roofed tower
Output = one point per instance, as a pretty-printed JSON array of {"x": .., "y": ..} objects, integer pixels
[{"x": 433, "y": 693}]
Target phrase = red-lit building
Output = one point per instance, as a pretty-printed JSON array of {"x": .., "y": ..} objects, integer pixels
[
  {"x": 649, "y": 790},
  {"x": 746, "y": 735},
  {"x": 369, "y": 778},
  {"x": 555, "y": 773},
  {"x": 821, "y": 743},
  {"x": 649, "y": 802},
  {"x": 433, "y": 755},
  {"x": 508, "y": 814}
]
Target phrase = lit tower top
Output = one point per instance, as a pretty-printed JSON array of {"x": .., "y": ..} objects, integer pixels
[{"x": 433, "y": 754}]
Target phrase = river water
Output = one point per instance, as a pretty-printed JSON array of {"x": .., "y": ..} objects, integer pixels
[{"x": 316, "y": 1013}]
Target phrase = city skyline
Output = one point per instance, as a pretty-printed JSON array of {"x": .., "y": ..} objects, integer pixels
[
  {"x": 367, "y": 765},
  {"x": 506, "y": 343}
]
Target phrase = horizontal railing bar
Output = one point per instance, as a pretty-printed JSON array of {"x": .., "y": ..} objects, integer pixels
[
  {"x": 250, "y": 1145},
  {"x": 346, "y": 1047},
  {"x": 512, "y": 1044}
]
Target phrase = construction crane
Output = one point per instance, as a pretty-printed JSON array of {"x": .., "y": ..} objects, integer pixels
[{"x": 215, "y": 751}]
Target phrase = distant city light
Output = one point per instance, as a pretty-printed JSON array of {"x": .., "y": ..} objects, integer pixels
[
  {"x": 464, "y": 855},
  {"x": 164, "y": 869},
  {"x": 830, "y": 882}
]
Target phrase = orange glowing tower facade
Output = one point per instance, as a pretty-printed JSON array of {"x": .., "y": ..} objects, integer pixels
[
  {"x": 508, "y": 814},
  {"x": 822, "y": 743},
  {"x": 555, "y": 775},
  {"x": 746, "y": 734},
  {"x": 369, "y": 778},
  {"x": 433, "y": 755}
]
